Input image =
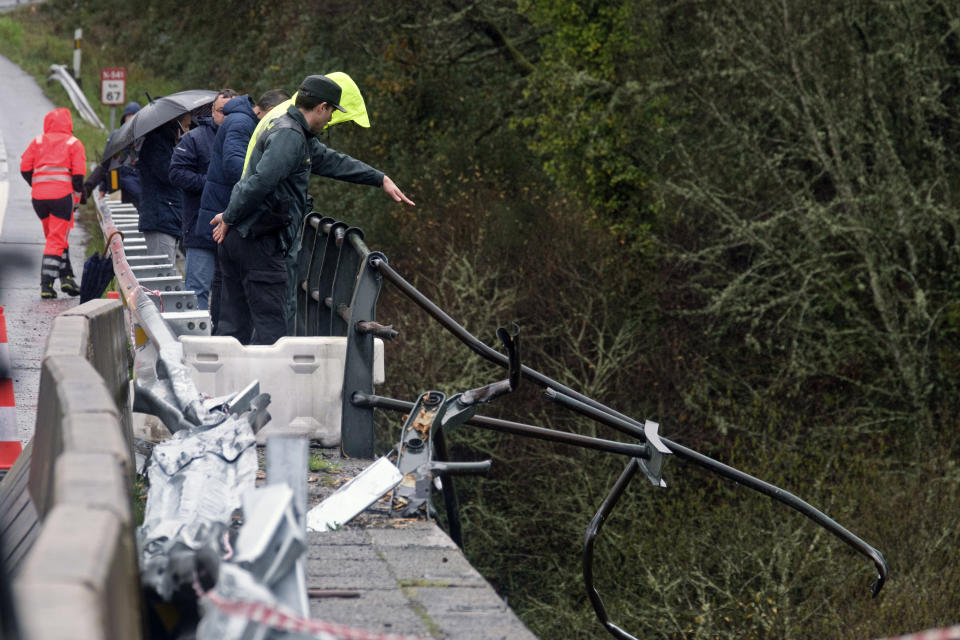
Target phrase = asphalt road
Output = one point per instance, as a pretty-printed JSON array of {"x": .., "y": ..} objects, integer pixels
[
  {"x": 22, "y": 108},
  {"x": 6, "y": 5}
]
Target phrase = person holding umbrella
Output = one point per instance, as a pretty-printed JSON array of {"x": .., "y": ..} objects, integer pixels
[
  {"x": 127, "y": 178},
  {"x": 159, "y": 126},
  {"x": 54, "y": 165}
]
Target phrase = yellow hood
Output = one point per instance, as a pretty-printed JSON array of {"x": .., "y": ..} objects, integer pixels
[{"x": 350, "y": 99}]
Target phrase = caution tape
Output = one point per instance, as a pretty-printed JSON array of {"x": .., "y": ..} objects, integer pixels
[
  {"x": 8, "y": 405},
  {"x": 285, "y": 620},
  {"x": 951, "y": 633}
]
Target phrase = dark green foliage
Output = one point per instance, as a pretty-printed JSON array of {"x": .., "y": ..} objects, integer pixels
[{"x": 737, "y": 219}]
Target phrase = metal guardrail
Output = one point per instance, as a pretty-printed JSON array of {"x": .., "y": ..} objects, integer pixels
[
  {"x": 185, "y": 531},
  {"x": 338, "y": 282},
  {"x": 59, "y": 72}
]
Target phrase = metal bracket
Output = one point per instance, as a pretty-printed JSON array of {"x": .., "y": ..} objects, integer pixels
[
  {"x": 414, "y": 455},
  {"x": 653, "y": 466}
]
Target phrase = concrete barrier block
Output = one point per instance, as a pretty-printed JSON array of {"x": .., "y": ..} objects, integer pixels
[
  {"x": 107, "y": 352},
  {"x": 69, "y": 385},
  {"x": 94, "y": 480},
  {"x": 69, "y": 336},
  {"x": 97, "y": 433},
  {"x": 85, "y": 556},
  {"x": 58, "y": 612},
  {"x": 303, "y": 375},
  {"x": 107, "y": 347}
]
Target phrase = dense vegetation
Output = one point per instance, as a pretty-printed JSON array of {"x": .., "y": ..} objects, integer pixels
[{"x": 736, "y": 219}]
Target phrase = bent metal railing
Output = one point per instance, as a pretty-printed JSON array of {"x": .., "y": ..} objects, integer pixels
[{"x": 338, "y": 282}]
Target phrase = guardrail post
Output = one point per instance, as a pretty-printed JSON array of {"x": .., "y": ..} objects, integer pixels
[
  {"x": 344, "y": 280},
  {"x": 356, "y": 426},
  {"x": 308, "y": 236},
  {"x": 328, "y": 269},
  {"x": 312, "y": 307}
]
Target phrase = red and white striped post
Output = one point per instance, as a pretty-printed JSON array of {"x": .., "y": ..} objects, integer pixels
[{"x": 10, "y": 446}]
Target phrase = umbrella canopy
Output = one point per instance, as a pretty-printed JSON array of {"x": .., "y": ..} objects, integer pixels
[{"x": 155, "y": 114}]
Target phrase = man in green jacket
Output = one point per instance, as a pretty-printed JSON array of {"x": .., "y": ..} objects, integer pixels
[{"x": 267, "y": 208}]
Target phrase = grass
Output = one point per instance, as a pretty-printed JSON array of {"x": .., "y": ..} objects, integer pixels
[
  {"x": 319, "y": 463},
  {"x": 140, "y": 488}
]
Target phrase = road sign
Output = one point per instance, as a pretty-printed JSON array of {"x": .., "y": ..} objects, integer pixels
[{"x": 113, "y": 86}]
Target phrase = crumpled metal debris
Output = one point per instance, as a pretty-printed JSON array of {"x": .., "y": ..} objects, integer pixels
[
  {"x": 266, "y": 568},
  {"x": 197, "y": 480}
]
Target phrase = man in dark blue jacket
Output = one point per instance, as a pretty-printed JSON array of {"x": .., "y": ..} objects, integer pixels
[
  {"x": 188, "y": 171},
  {"x": 160, "y": 218},
  {"x": 226, "y": 166}
]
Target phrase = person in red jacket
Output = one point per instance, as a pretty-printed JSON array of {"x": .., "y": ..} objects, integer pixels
[{"x": 54, "y": 165}]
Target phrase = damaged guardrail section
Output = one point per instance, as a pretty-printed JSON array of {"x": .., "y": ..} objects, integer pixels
[
  {"x": 338, "y": 282},
  {"x": 211, "y": 542},
  {"x": 190, "y": 543}
]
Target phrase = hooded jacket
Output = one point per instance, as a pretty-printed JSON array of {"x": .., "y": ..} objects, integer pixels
[
  {"x": 159, "y": 200},
  {"x": 226, "y": 161},
  {"x": 188, "y": 172},
  {"x": 55, "y": 162},
  {"x": 272, "y": 196}
]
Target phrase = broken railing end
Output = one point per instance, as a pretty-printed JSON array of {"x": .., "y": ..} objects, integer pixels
[{"x": 383, "y": 331}]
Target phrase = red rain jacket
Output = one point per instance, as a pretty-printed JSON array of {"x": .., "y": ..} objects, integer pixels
[{"x": 54, "y": 157}]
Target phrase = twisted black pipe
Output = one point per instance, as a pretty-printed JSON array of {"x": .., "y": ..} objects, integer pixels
[{"x": 610, "y": 417}]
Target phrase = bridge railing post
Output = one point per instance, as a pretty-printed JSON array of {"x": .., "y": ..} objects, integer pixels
[
  {"x": 328, "y": 270},
  {"x": 356, "y": 426}
]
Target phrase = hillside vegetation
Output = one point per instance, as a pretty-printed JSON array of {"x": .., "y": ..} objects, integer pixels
[{"x": 739, "y": 220}]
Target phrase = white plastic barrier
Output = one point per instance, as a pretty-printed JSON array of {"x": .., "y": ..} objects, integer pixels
[{"x": 303, "y": 375}]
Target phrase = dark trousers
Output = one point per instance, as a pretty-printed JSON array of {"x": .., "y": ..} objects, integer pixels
[
  {"x": 253, "y": 294},
  {"x": 213, "y": 303}
]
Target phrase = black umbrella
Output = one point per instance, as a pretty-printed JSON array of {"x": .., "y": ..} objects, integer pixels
[
  {"x": 97, "y": 274},
  {"x": 155, "y": 114}
]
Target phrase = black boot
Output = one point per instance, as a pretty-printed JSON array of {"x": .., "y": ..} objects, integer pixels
[
  {"x": 67, "y": 284},
  {"x": 49, "y": 270}
]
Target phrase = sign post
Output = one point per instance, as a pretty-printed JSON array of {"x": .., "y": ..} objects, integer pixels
[
  {"x": 77, "y": 36},
  {"x": 113, "y": 90}
]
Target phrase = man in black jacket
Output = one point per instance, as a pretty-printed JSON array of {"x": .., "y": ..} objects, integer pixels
[{"x": 267, "y": 208}]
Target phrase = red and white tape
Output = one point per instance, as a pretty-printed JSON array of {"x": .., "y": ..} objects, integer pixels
[
  {"x": 10, "y": 446},
  {"x": 285, "y": 620},
  {"x": 8, "y": 410},
  {"x": 951, "y": 633}
]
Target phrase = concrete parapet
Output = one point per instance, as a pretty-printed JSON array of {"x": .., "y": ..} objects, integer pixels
[
  {"x": 106, "y": 349},
  {"x": 57, "y": 611},
  {"x": 97, "y": 433},
  {"x": 79, "y": 581},
  {"x": 69, "y": 386},
  {"x": 407, "y": 580},
  {"x": 95, "y": 481}
]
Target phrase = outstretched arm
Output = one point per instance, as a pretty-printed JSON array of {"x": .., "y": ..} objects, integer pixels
[{"x": 333, "y": 164}]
